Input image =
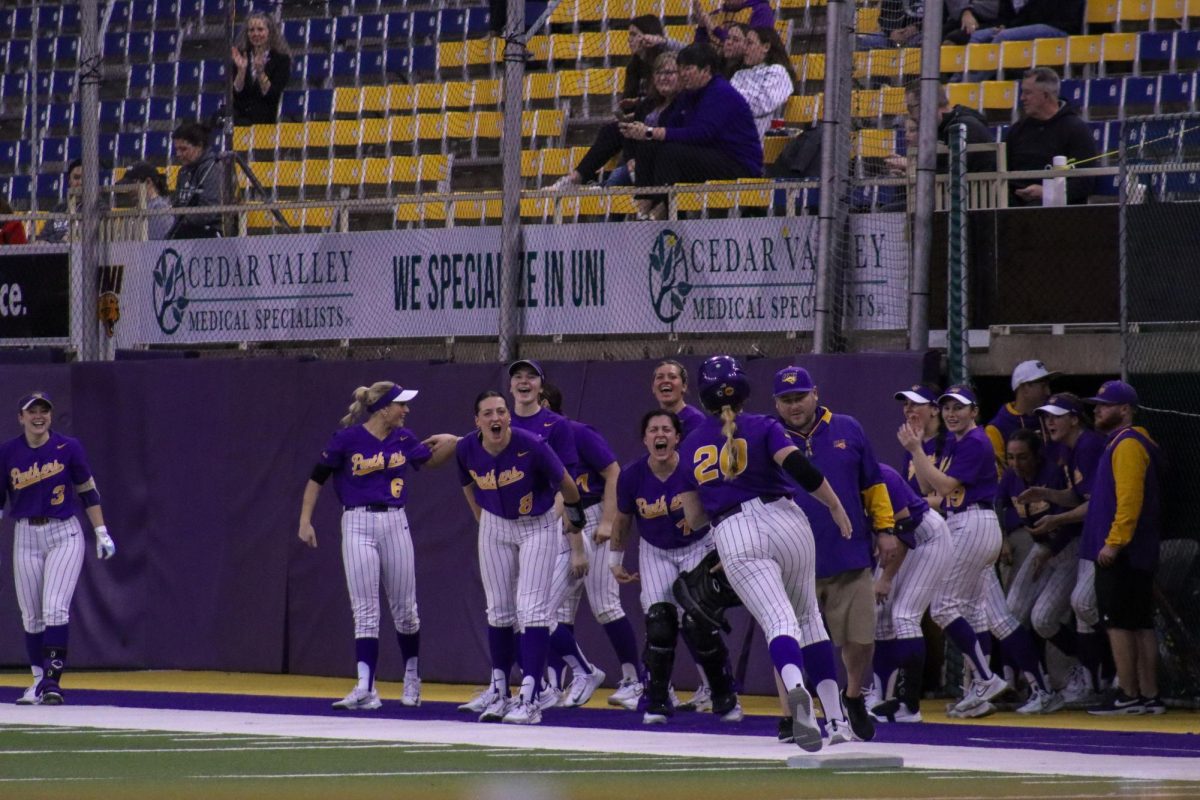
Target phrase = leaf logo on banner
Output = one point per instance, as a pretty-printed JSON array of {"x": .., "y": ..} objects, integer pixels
[
  {"x": 668, "y": 271},
  {"x": 170, "y": 291}
]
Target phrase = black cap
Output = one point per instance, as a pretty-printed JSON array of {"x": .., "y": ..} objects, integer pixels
[{"x": 141, "y": 171}]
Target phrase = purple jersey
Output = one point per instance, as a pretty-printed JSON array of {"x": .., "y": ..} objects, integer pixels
[
  {"x": 1014, "y": 515},
  {"x": 594, "y": 456},
  {"x": 690, "y": 418},
  {"x": 42, "y": 480},
  {"x": 368, "y": 471},
  {"x": 520, "y": 481},
  {"x": 757, "y": 439},
  {"x": 934, "y": 449},
  {"x": 972, "y": 462},
  {"x": 555, "y": 430},
  {"x": 655, "y": 503},
  {"x": 1079, "y": 463},
  {"x": 1001, "y": 427},
  {"x": 904, "y": 498}
]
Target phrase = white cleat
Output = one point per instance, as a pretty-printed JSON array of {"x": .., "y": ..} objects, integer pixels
[
  {"x": 1079, "y": 691},
  {"x": 805, "y": 732},
  {"x": 479, "y": 703},
  {"x": 839, "y": 732},
  {"x": 981, "y": 692},
  {"x": 497, "y": 709},
  {"x": 582, "y": 687},
  {"x": 1041, "y": 702},
  {"x": 701, "y": 700},
  {"x": 548, "y": 698},
  {"x": 650, "y": 718},
  {"x": 734, "y": 714},
  {"x": 628, "y": 693},
  {"x": 30, "y": 697},
  {"x": 975, "y": 712},
  {"x": 523, "y": 712},
  {"x": 411, "y": 698},
  {"x": 359, "y": 699}
]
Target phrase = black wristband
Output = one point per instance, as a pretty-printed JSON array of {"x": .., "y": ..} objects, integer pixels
[
  {"x": 574, "y": 515},
  {"x": 803, "y": 471},
  {"x": 320, "y": 474}
]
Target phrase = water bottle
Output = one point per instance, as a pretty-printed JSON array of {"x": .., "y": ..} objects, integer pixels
[{"x": 1054, "y": 190}]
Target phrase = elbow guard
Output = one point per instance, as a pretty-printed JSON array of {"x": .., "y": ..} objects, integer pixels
[
  {"x": 320, "y": 474},
  {"x": 803, "y": 472},
  {"x": 90, "y": 498}
]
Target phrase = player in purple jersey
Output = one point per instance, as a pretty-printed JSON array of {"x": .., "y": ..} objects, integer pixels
[
  {"x": 525, "y": 384},
  {"x": 669, "y": 389},
  {"x": 48, "y": 477},
  {"x": 1031, "y": 387},
  {"x": 739, "y": 469},
  {"x": 922, "y": 414},
  {"x": 966, "y": 479},
  {"x": 369, "y": 462},
  {"x": 596, "y": 476},
  {"x": 1078, "y": 449},
  {"x": 510, "y": 478}
]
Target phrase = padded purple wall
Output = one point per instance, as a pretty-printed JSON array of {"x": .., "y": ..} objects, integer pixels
[{"x": 201, "y": 465}]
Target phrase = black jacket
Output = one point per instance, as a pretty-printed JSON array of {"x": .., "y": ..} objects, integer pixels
[
  {"x": 977, "y": 133},
  {"x": 1032, "y": 144},
  {"x": 250, "y": 105},
  {"x": 1066, "y": 15}
]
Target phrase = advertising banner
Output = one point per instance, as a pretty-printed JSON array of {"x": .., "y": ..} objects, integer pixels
[{"x": 35, "y": 292}]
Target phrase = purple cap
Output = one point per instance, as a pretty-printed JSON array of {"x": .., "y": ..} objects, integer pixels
[
  {"x": 918, "y": 394},
  {"x": 1114, "y": 393},
  {"x": 963, "y": 394},
  {"x": 793, "y": 379},
  {"x": 1059, "y": 405},
  {"x": 525, "y": 362},
  {"x": 34, "y": 397}
]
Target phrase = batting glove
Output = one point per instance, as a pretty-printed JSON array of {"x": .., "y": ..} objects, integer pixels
[{"x": 105, "y": 547}]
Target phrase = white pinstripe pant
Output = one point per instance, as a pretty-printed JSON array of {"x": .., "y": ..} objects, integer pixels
[
  {"x": 1083, "y": 597},
  {"x": 1045, "y": 601},
  {"x": 516, "y": 561},
  {"x": 976, "y": 539},
  {"x": 770, "y": 558},
  {"x": 922, "y": 580},
  {"x": 659, "y": 567},
  {"x": 47, "y": 560},
  {"x": 379, "y": 545},
  {"x": 604, "y": 595}
]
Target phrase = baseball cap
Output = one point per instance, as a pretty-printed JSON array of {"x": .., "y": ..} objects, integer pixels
[
  {"x": 526, "y": 362},
  {"x": 1030, "y": 371},
  {"x": 397, "y": 394},
  {"x": 919, "y": 394},
  {"x": 1114, "y": 393},
  {"x": 963, "y": 394},
  {"x": 793, "y": 379},
  {"x": 34, "y": 397},
  {"x": 1060, "y": 404},
  {"x": 141, "y": 171}
]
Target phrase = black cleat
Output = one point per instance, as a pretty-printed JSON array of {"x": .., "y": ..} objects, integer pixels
[
  {"x": 785, "y": 730},
  {"x": 860, "y": 721}
]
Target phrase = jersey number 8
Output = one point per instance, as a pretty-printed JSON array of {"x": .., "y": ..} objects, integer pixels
[
  {"x": 397, "y": 487},
  {"x": 731, "y": 461}
]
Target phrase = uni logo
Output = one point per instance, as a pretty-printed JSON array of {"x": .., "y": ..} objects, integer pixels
[
  {"x": 789, "y": 378},
  {"x": 170, "y": 291}
]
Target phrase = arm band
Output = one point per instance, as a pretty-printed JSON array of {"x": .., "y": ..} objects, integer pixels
[
  {"x": 90, "y": 498},
  {"x": 574, "y": 514},
  {"x": 803, "y": 471},
  {"x": 320, "y": 474}
]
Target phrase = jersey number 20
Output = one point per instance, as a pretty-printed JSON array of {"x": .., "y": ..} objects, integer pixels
[{"x": 730, "y": 461}]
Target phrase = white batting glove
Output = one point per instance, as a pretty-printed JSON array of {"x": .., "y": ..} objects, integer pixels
[{"x": 106, "y": 548}]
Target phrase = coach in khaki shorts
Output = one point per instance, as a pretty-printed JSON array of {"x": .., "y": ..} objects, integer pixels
[{"x": 837, "y": 445}]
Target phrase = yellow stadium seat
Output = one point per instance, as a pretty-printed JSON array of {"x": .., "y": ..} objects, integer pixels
[
  {"x": 539, "y": 48},
  {"x": 883, "y": 63},
  {"x": 531, "y": 163},
  {"x": 603, "y": 81},
  {"x": 265, "y": 171},
  {"x": 910, "y": 62},
  {"x": 452, "y": 54},
  {"x": 289, "y": 174},
  {"x": 565, "y": 47},
  {"x": 347, "y": 172},
  {"x": 430, "y": 97},
  {"x": 814, "y": 67},
  {"x": 376, "y": 172},
  {"x": 374, "y": 131},
  {"x": 803, "y": 109},
  {"x": 436, "y": 127},
  {"x": 1118, "y": 46},
  {"x": 401, "y": 98},
  {"x": 487, "y": 93},
  {"x": 773, "y": 146},
  {"x": 318, "y": 134},
  {"x": 983, "y": 57},
  {"x": 318, "y": 172},
  {"x": 1016, "y": 55},
  {"x": 541, "y": 86},
  {"x": 1134, "y": 11},
  {"x": 616, "y": 44},
  {"x": 487, "y": 125},
  {"x": 347, "y": 100},
  {"x": 434, "y": 167},
  {"x": 875, "y": 143},
  {"x": 1168, "y": 9},
  {"x": 999, "y": 95},
  {"x": 173, "y": 176},
  {"x": 953, "y": 59},
  {"x": 865, "y": 103},
  {"x": 404, "y": 170},
  {"x": 572, "y": 83},
  {"x": 565, "y": 12},
  {"x": 537, "y": 208},
  {"x": 963, "y": 94},
  {"x": 1102, "y": 12},
  {"x": 401, "y": 129},
  {"x": 347, "y": 133},
  {"x": 1083, "y": 50},
  {"x": 1049, "y": 52},
  {"x": 264, "y": 138},
  {"x": 892, "y": 100},
  {"x": 542, "y": 123},
  {"x": 459, "y": 94},
  {"x": 867, "y": 20},
  {"x": 413, "y": 210},
  {"x": 242, "y": 137},
  {"x": 555, "y": 162},
  {"x": 374, "y": 99},
  {"x": 481, "y": 52},
  {"x": 291, "y": 136},
  {"x": 860, "y": 65},
  {"x": 479, "y": 211}
]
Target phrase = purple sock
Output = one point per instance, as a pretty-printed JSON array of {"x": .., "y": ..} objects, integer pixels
[
  {"x": 1066, "y": 640},
  {"x": 1091, "y": 650},
  {"x": 54, "y": 651},
  {"x": 963, "y": 636},
  {"x": 502, "y": 647},
  {"x": 366, "y": 651},
  {"x": 563, "y": 646},
  {"x": 1020, "y": 648},
  {"x": 820, "y": 664},
  {"x": 624, "y": 643},
  {"x": 410, "y": 646},
  {"x": 910, "y": 657},
  {"x": 535, "y": 643},
  {"x": 785, "y": 652},
  {"x": 987, "y": 643},
  {"x": 884, "y": 663},
  {"x": 33, "y": 649},
  {"x": 55, "y": 636}
]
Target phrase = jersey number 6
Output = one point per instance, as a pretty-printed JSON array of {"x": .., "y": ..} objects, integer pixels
[
  {"x": 397, "y": 487},
  {"x": 731, "y": 460}
]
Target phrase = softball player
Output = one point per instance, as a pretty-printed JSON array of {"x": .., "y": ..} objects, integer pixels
[
  {"x": 47, "y": 472},
  {"x": 1031, "y": 387},
  {"x": 922, "y": 414},
  {"x": 369, "y": 462},
  {"x": 669, "y": 388},
  {"x": 509, "y": 478},
  {"x": 736, "y": 468},
  {"x": 649, "y": 491},
  {"x": 596, "y": 476}
]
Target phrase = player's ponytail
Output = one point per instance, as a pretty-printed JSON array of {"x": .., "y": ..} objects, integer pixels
[
  {"x": 730, "y": 460},
  {"x": 364, "y": 396}
]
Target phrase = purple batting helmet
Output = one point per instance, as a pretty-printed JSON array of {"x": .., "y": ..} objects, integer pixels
[{"x": 723, "y": 383}]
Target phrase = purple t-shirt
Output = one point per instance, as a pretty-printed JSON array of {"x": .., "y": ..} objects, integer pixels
[
  {"x": 555, "y": 430},
  {"x": 758, "y": 438},
  {"x": 41, "y": 480},
  {"x": 904, "y": 498},
  {"x": 594, "y": 456},
  {"x": 972, "y": 461},
  {"x": 690, "y": 418},
  {"x": 655, "y": 504},
  {"x": 368, "y": 471},
  {"x": 1015, "y": 515},
  {"x": 520, "y": 481}
]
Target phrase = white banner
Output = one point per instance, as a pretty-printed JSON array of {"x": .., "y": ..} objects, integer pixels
[{"x": 701, "y": 276}]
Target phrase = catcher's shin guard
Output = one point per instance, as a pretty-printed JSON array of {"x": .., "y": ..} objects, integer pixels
[
  {"x": 712, "y": 655},
  {"x": 662, "y": 629}
]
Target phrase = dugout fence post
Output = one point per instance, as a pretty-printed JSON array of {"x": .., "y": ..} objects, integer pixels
[
  {"x": 510, "y": 204},
  {"x": 85, "y": 272},
  {"x": 956, "y": 294},
  {"x": 922, "y": 226}
]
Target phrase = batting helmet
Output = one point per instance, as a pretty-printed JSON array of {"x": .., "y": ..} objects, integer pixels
[{"x": 723, "y": 383}]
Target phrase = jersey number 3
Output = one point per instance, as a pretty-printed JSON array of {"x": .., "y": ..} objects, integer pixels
[
  {"x": 730, "y": 461},
  {"x": 58, "y": 495}
]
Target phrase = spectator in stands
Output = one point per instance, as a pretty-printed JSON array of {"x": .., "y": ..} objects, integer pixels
[
  {"x": 262, "y": 65},
  {"x": 766, "y": 79},
  {"x": 1035, "y": 19},
  {"x": 201, "y": 183},
  {"x": 647, "y": 41},
  {"x": 899, "y": 26},
  {"x": 158, "y": 226},
  {"x": 731, "y": 49},
  {"x": 731, "y": 12},
  {"x": 609, "y": 141},
  {"x": 948, "y": 116},
  {"x": 12, "y": 231},
  {"x": 55, "y": 231},
  {"x": 965, "y": 17},
  {"x": 1050, "y": 127},
  {"x": 716, "y": 138}
]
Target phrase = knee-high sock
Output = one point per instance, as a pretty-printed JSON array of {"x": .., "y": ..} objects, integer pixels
[
  {"x": 1091, "y": 655},
  {"x": 366, "y": 653},
  {"x": 624, "y": 643},
  {"x": 971, "y": 646},
  {"x": 410, "y": 651},
  {"x": 1066, "y": 639},
  {"x": 535, "y": 643},
  {"x": 502, "y": 647},
  {"x": 883, "y": 665},
  {"x": 565, "y": 647},
  {"x": 910, "y": 655},
  {"x": 54, "y": 651},
  {"x": 820, "y": 664},
  {"x": 1018, "y": 646}
]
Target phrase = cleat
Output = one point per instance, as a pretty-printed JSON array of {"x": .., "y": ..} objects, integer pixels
[
  {"x": 523, "y": 712},
  {"x": 652, "y": 718},
  {"x": 860, "y": 721},
  {"x": 549, "y": 698},
  {"x": 479, "y": 703},
  {"x": 674, "y": 698},
  {"x": 359, "y": 699},
  {"x": 30, "y": 697},
  {"x": 411, "y": 698},
  {"x": 975, "y": 712},
  {"x": 628, "y": 693},
  {"x": 1116, "y": 703},
  {"x": 582, "y": 687},
  {"x": 805, "y": 732},
  {"x": 49, "y": 692},
  {"x": 981, "y": 692},
  {"x": 1041, "y": 702},
  {"x": 497, "y": 709},
  {"x": 701, "y": 700},
  {"x": 785, "y": 731},
  {"x": 1079, "y": 691},
  {"x": 839, "y": 732},
  {"x": 734, "y": 714}
]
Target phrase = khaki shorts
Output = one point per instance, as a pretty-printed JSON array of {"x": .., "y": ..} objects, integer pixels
[{"x": 847, "y": 602}]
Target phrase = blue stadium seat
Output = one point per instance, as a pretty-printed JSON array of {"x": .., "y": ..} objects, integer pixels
[
  {"x": 1183, "y": 183},
  {"x": 1177, "y": 89},
  {"x": 54, "y": 149},
  {"x": 156, "y": 145},
  {"x": 23, "y": 22},
  {"x": 214, "y": 73},
  {"x": 187, "y": 108},
  {"x": 214, "y": 10},
  {"x": 24, "y": 154},
  {"x": 161, "y": 109},
  {"x": 1103, "y": 93},
  {"x": 345, "y": 30},
  {"x": 69, "y": 21},
  {"x": 1073, "y": 91},
  {"x": 121, "y": 12},
  {"x": 141, "y": 77},
  {"x": 140, "y": 43},
  {"x": 1139, "y": 92},
  {"x": 110, "y": 114},
  {"x": 373, "y": 27},
  {"x": 8, "y": 155},
  {"x": 190, "y": 10},
  {"x": 424, "y": 59},
  {"x": 314, "y": 69},
  {"x": 74, "y": 148},
  {"x": 135, "y": 113},
  {"x": 1155, "y": 47},
  {"x": 295, "y": 33},
  {"x": 19, "y": 189},
  {"x": 370, "y": 67},
  {"x": 1187, "y": 46},
  {"x": 210, "y": 105},
  {"x": 345, "y": 67},
  {"x": 318, "y": 104},
  {"x": 115, "y": 46},
  {"x": 6, "y": 23},
  {"x": 128, "y": 148},
  {"x": 45, "y": 52},
  {"x": 164, "y": 44},
  {"x": 397, "y": 62},
  {"x": 178, "y": 75},
  {"x": 399, "y": 26},
  {"x": 479, "y": 22},
  {"x": 49, "y": 188},
  {"x": 19, "y": 52},
  {"x": 141, "y": 13},
  {"x": 425, "y": 25},
  {"x": 452, "y": 23},
  {"x": 61, "y": 117},
  {"x": 320, "y": 33},
  {"x": 12, "y": 86},
  {"x": 1099, "y": 132},
  {"x": 291, "y": 107}
]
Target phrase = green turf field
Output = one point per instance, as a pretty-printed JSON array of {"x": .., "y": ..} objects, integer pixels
[{"x": 53, "y": 762}]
